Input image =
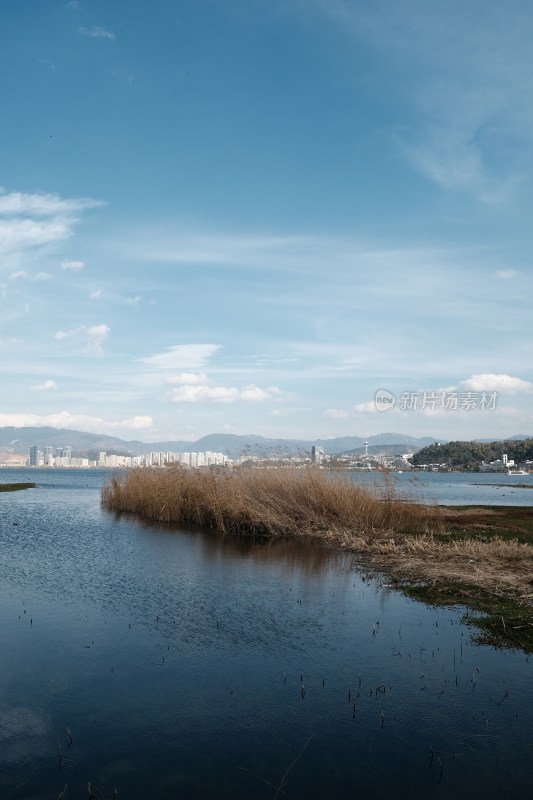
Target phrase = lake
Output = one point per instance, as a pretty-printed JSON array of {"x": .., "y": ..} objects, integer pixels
[
  {"x": 457, "y": 488},
  {"x": 182, "y": 664}
]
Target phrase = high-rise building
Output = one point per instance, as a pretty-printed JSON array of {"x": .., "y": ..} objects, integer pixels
[
  {"x": 34, "y": 456},
  {"x": 317, "y": 454}
]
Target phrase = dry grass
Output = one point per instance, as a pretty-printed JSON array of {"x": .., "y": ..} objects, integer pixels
[
  {"x": 504, "y": 567},
  {"x": 403, "y": 538},
  {"x": 273, "y": 502}
]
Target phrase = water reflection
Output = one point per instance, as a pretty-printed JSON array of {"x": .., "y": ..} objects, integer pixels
[
  {"x": 185, "y": 663},
  {"x": 307, "y": 555}
]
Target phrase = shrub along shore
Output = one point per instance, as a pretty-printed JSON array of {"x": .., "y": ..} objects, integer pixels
[{"x": 478, "y": 556}]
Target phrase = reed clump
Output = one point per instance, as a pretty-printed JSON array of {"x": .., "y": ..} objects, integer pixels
[
  {"x": 268, "y": 502},
  {"x": 412, "y": 542}
]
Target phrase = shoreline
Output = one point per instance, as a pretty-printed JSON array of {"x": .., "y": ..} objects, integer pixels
[
  {"x": 483, "y": 561},
  {"x": 479, "y": 556}
]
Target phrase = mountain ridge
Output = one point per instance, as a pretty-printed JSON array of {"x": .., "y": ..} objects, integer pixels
[{"x": 21, "y": 439}]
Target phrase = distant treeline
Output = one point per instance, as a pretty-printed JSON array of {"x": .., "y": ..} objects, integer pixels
[{"x": 469, "y": 455}]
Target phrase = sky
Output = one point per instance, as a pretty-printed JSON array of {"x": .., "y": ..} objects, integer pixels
[{"x": 291, "y": 218}]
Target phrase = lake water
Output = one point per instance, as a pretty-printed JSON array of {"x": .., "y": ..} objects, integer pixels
[
  {"x": 173, "y": 664},
  {"x": 457, "y": 488}
]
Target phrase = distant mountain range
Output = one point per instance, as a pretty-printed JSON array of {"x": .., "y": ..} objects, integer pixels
[{"x": 19, "y": 440}]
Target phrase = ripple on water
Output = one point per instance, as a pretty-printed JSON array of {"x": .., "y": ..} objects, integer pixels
[{"x": 183, "y": 661}]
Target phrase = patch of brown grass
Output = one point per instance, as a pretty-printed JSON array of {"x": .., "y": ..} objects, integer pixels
[
  {"x": 410, "y": 541},
  {"x": 273, "y": 502}
]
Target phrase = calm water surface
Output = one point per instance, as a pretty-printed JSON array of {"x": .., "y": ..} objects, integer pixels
[
  {"x": 185, "y": 665},
  {"x": 457, "y": 488}
]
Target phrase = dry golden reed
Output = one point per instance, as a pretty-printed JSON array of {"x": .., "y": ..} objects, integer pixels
[
  {"x": 274, "y": 502},
  {"x": 390, "y": 532}
]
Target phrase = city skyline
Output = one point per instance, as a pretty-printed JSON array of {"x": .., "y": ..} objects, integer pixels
[{"x": 259, "y": 219}]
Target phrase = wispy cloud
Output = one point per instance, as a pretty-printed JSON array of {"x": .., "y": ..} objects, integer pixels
[
  {"x": 188, "y": 379},
  {"x": 97, "y": 33},
  {"x": 73, "y": 266},
  {"x": 220, "y": 248},
  {"x": 96, "y": 295},
  {"x": 506, "y": 274},
  {"x": 82, "y": 422},
  {"x": 464, "y": 79},
  {"x": 42, "y": 204},
  {"x": 46, "y": 386},
  {"x": 21, "y": 274},
  {"x": 183, "y": 356},
  {"x": 60, "y": 335},
  {"x": 336, "y": 413},
  {"x": 93, "y": 337},
  {"x": 29, "y": 222},
  {"x": 369, "y": 407}
]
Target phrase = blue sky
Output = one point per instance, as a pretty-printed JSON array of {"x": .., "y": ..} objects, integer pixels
[{"x": 250, "y": 216}]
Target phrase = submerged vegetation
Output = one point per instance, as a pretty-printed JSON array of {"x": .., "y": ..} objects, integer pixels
[
  {"x": 479, "y": 557},
  {"x": 501, "y": 620}
]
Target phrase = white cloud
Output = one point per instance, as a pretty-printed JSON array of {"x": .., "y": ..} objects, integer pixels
[
  {"x": 96, "y": 295},
  {"x": 42, "y": 204},
  {"x": 97, "y": 33},
  {"x": 95, "y": 336},
  {"x": 59, "y": 335},
  {"x": 46, "y": 386},
  {"x": 201, "y": 393},
  {"x": 336, "y": 413},
  {"x": 30, "y": 221},
  {"x": 366, "y": 408},
  {"x": 506, "y": 274},
  {"x": 134, "y": 301},
  {"x": 21, "y": 274},
  {"x": 182, "y": 356},
  {"x": 504, "y": 384},
  {"x": 22, "y": 234},
  {"x": 73, "y": 266},
  {"x": 81, "y": 422},
  {"x": 256, "y": 394},
  {"x": 188, "y": 378}
]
